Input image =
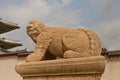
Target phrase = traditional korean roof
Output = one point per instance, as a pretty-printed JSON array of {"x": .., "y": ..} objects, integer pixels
[
  {"x": 18, "y": 53},
  {"x": 24, "y": 53},
  {"x": 8, "y": 44},
  {"x": 112, "y": 53},
  {"x": 6, "y": 26}
]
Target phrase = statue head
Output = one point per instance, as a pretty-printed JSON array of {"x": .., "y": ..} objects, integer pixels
[{"x": 34, "y": 29}]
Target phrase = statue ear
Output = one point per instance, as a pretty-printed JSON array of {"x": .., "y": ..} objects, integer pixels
[{"x": 41, "y": 27}]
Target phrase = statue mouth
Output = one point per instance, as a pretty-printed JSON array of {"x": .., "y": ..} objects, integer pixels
[{"x": 32, "y": 31}]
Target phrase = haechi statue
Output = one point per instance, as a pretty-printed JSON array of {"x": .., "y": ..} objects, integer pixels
[{"x": 52, "y": 42}]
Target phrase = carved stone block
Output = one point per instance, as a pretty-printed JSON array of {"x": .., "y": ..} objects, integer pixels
[{"x": 87, "y": 68}]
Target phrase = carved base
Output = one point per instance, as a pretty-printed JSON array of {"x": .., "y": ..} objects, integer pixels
[
  {"x": 71, "y": 77},
  {"x": 87, "y": 68}
]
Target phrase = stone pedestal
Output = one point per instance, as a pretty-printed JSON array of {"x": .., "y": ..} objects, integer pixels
[{"x": 87, "y": 68}]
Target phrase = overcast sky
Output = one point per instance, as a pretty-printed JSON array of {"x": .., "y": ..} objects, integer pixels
[{"x": 101, "y": 16}]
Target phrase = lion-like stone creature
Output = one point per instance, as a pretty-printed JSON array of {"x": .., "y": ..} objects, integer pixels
[{"x": 52, "y": 42}]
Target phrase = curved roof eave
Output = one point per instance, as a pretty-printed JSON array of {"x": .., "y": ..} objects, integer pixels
[{"x": 6, "y": 26}]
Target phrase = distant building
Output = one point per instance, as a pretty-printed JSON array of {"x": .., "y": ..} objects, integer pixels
[
  {"x": 8, "y": 59},
  {"x": 112, "y": 68},
  {"x": 6, "y": 26}
]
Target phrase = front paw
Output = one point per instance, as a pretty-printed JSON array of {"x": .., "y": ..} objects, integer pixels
[{"x": 34, "y": 57}]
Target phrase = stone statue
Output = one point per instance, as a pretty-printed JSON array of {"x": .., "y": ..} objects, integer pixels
[
  {"x": 52, "y": 42},
  {"x": 79, "y": 48}
]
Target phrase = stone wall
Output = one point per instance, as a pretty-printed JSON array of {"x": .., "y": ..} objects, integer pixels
[
  {"x": 7, "y": 68},
  {"x": 112, "y": 69}
]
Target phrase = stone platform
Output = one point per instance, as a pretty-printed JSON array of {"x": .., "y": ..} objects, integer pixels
[{"x": 87, "y": 68}]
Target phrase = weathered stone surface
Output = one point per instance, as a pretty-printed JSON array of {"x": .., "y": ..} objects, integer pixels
[
  {"x": 62, "y": 42},
  {"x": 72, "y": 77},
  {"x": 87, "y": 68}
]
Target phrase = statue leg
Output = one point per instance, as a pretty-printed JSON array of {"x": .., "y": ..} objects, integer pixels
[
  {"x": 72, "y": 54},
  {"x": 42, "y": 44}
]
